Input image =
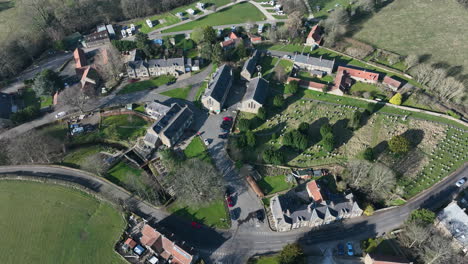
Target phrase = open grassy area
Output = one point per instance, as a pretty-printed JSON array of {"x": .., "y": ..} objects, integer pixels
[
  {"x": 274, "y": 184},
  {"x": 122, "y": 172},
  {"x": 374, "y": 90},
  {"x": 268, "y": 64},
  {"x": 326, "y": 5},
  {"x": 127, "y": 126},
  {"x": 196, "y": 149},
  {"x": 43, "y": 223},
  {"x": 407, "y": 27},
  {"x": 78, "y": 156},
  {"x": 167, "y": 18},
  {"x": 236, "y": 14},
  {"x": 214, "y": 215},
  {"x": 180, "y": 93},
  {"x": 264, "y": 260},
  {"x": 143, "y": 85}
]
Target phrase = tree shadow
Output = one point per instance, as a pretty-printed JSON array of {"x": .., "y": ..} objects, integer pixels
[
  {"x": 454, "y": 71},
  {"x": 424, "y": 58},
  {"x": 380, "y": 149},
  {"x": 314, "y": 130},
  {"x": 342, "y": 133},
  {"x": 415, "y": 136}
]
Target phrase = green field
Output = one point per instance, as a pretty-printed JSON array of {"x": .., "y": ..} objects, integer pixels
[
  {"x": 43, "y": 223},
  {"x": 325, "y": 6},
  {"x": 214, "y": 215},
  {"x": 196, "y": 149},
  {"x": 122, "y": 172},
  {"x": 180, "y": 93},
  {"x": 143, "y": 85},
  {"x": 274, "y": 184},
  {"x": 236, "y": 14},
  {"x": 409, "y": 27}
]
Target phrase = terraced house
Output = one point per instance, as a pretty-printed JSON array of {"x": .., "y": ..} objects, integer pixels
[
  {"x": 288, "y": 212},
  {"x": 143, "y": 69},
  {"x": 314, "y": 65}
]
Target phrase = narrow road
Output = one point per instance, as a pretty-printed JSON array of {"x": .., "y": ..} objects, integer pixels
[{"x": 237, "y": 245}]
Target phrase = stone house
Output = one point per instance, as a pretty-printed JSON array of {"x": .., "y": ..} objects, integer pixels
[
  {"x": 218, "y": 89},
  {"x": 96, "y": 39},
  {"x": 453, "y": 221},
  {"x": 345, "y": 76},
  {"x": 172, "y": 66},
  {"x": 312, "y": 64},
  {"x": 255, "y": 95},
  {"x": 137, "y": 69},
  {"x": 315, "y": 36}
]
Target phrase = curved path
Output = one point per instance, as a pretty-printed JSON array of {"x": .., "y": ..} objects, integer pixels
[{"x": 236, "y": 245}]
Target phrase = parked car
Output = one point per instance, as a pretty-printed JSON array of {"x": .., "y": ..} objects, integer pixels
[
  {"x": 223, "y": 136},
  {"x": 133, "y": 80},
  {"x": 260, "y": 215},
  {"x": 229, "y": 201},
  {"x": 460, "y": 182},
  {"x": 349, "y": 246},
  {"x": 225, "y": 131},
  {"x": 196, "y": 225},
  {"x": 227, "y": 118},
  {"x": 60, "y": 115},
  {"x": 206, "y": 141},
  {"x": 340, "y": 249}
]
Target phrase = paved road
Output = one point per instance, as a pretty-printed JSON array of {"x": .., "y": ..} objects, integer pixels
[
  {"x": 114, "y": 100},
  {"x": 236, "y": 245}
]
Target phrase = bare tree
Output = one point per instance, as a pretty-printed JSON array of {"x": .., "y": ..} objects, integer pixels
[
  {"x": 423, "y": 73},
  {"x": 414, "y": 234},
  {"x": 294, "y": 24},
  {"x": 280, "y": 73},
  {"x": 336, "y": 25},
  {"x": 74, "y": 97},
  {"x": 33, "y": 147},
  {"x": 411, "y": 61},
  {"x": 367, "y": 5},
  {"x": 197, "y": 182},
  {"x": 94, "y": 164},
  {"x": 437, "y": 249},
  {"x": 109, "y": 63}
]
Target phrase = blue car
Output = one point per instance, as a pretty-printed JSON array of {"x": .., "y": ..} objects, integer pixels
[
  {"x": 340, "y": 249},
  {"x": 350, "y": 249}
]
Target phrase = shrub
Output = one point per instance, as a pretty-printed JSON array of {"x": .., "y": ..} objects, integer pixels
[
  {"x": 399, "y": 144},
  {"x": 423, "y": 216},
  {"x": 453, "y": 114},
  {"x": 261, "y": 114},
  {"x": 291, "y": 254},
  {"x": 278, "y": 101},
  {"x": 368, "y": 154},
  {"x": 292, "y": 87},
  {"x": 369, "y": 210},
  {"x": 397, "y": 99},
  {"x": 273, "y": 156},
  {"x": 296, "y": 140},
  {"x": 27, "y": 114},
  {"x": 328, "y": 142},
  {"x": 325, "y": 129},
  {"x": 251, "y": 140},
  {"x": 244, "y": 125},
  {"x": 241, "y": 141},
  {"x": 303, "y": 128}
]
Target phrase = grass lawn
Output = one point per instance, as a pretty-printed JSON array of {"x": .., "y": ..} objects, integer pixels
[
  {"x": 264, "y": 260},
  {"x": 326, "y": 5},
  {"x": 268, "y": 64},
  {"x": 373, "y": 89},
  {"x": 287, "y": 65},
  {"x": 306, "y": 76},
  {"x": 213, "y": 215},
  {"x": 180, "y": 93},
  {"x": 169, "y": 19},
  {"x": 143, "y": 85},
  {"x": 236, "y": 14},
  {"x": 201, "y": 91},
  {"x": 407, "y": 27},
  {"x": 127, "y": 126},
  {"x": 122, "y": 172},
  {"x": 274, "y": 184},
  {"x": 55, "y": 224},
  {"x": 196, "y": 149}
]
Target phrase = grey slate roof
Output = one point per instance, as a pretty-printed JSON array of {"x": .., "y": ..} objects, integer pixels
[
  {"x": 158, "y": 107},
  {"x": 6, "y": 104},
  {"x": 217, "y": 88},
  {"x": 137, "y": 64},
  {"x": 456, "y": 221},
  {"x": 166, "y": 62},
  {"x": 250, "y": 64},
  {"x": 164, "y": 121},
  {"x": 178, "y": 121},
  {"x": 257, "y": 90},
  {"x": 314, "y": 61}
]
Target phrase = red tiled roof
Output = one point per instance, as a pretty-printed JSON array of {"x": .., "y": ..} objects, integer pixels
[
  {"x": 363, "y": 74},
  {"x": 227, "y": 43},
  {"x": 314, "y": 191},
  {"x": 255, "y": 39},
  {"x": 149, "y": 235},
  {"x": 233, "y": 35},
  {"x": 382, "y": 259},
  {"x": 130, "y": 242},
  {"x": 391, "y": 82},
  {"x": 316, "y": 34},
  {"x": 80, "y": 58}
]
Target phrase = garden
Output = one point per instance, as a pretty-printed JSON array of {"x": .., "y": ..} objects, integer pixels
[
  {"x": 147, "y": 84},
  {"x": 56, "y": 224},
  {"x": 179, "y": 93},
  {"x": 213, "y": 215}
]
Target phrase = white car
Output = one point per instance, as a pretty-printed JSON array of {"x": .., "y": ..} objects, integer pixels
[
  {"x": 206, "y": 141},
  {"x": 60, "y": 115},
  {"x": 460, "y": 182}
]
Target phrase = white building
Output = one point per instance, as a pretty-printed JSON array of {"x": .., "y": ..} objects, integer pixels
[
  {"x": 201, "y": 6},
  {"x": 190, "y": 11}
]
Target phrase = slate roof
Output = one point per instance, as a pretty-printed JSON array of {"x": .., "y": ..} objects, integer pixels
[
  {"x": 164, "y": 121},
  {"x": 217, "y": 88},
  {"x": 250, "y": 64},
  {"x": 319, "y": 62},
  {"x": 257, "y": 90},
  {"x": 137, "y": 64},
  {"x": 166, "y": 62},
  {"x": 456, "y": 221},
  {"x": 96, "y": 36},
  {"x": 178, "y": 121}
]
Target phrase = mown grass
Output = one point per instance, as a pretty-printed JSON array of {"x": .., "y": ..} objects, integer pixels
[
  {"x": 122, "y": 172},
  {"x": 42, "y": 223},
  {"x": 236, "y": 14},
  {"x": 143, "y": 85},
  {"x": 274, "y": 184},
  {"x": 180, "y": 93},
  {"x": 196, "y": 149},
  {"x": 214, "y": 215}
]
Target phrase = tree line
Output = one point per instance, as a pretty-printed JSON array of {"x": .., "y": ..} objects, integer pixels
[{"x": 45, "y": 23}]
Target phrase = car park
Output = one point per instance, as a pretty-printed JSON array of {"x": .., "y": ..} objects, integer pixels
[
  {"x": 460, "y": 182},
  {"x": 349, "y": 248}
]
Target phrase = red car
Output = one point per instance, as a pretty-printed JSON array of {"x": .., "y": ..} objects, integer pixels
[
  {"x": 133, "y": 80},
  {"x": 196, "y": 225},
  {"x": 229, "y": 201},
  {"x": 227, "y": 118}
]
